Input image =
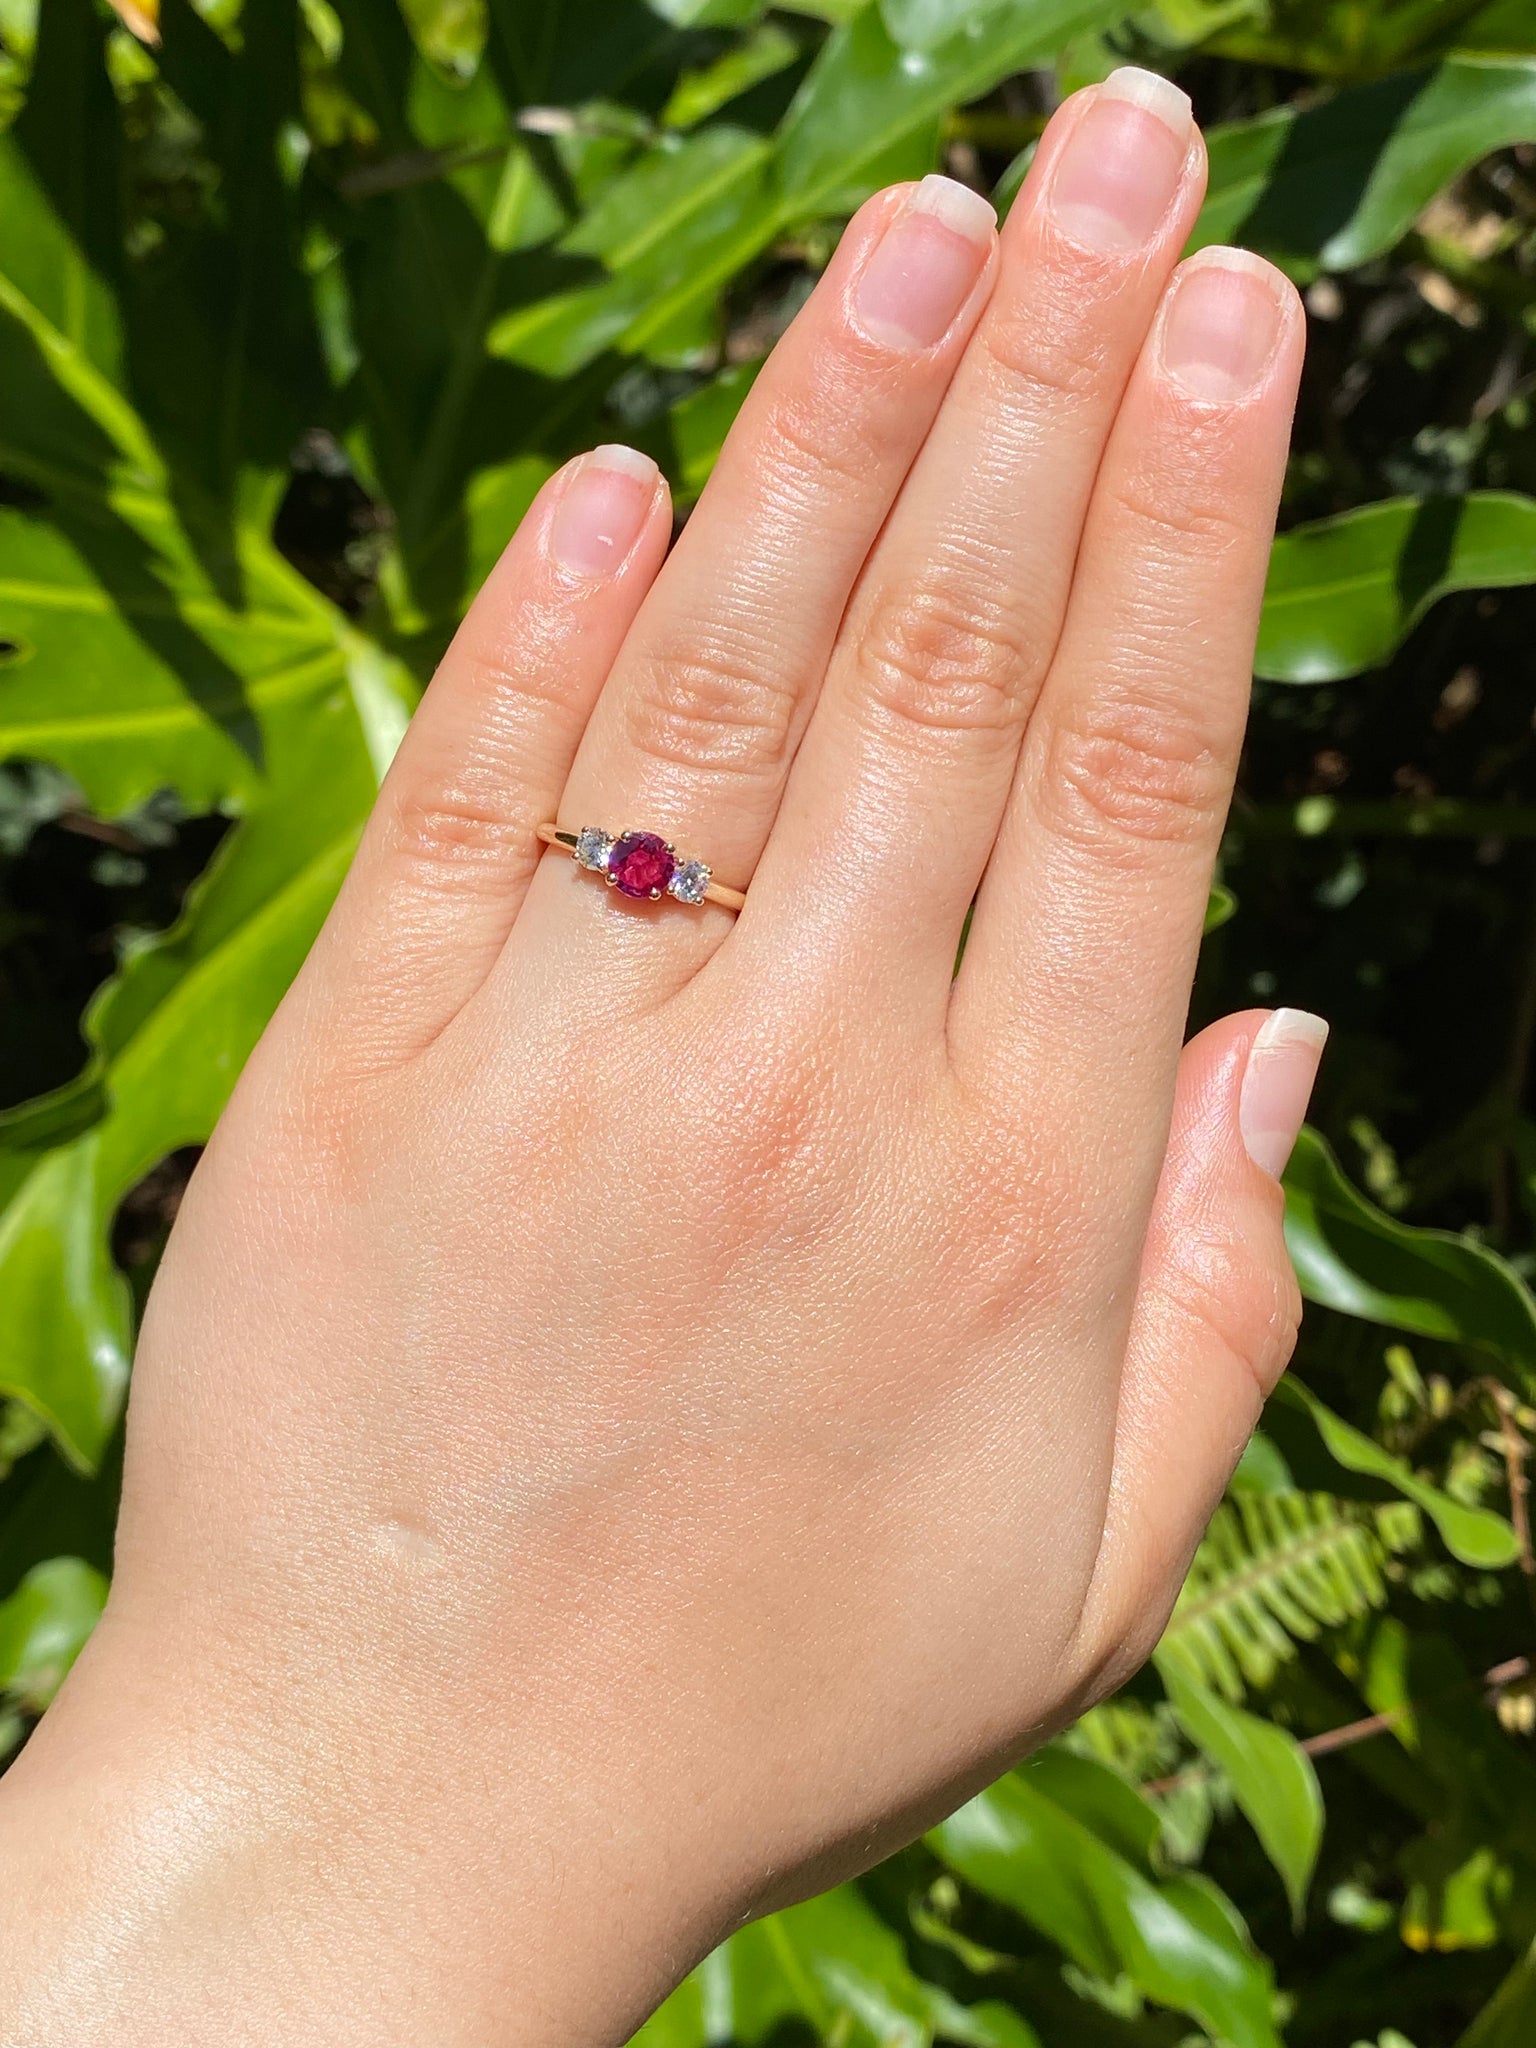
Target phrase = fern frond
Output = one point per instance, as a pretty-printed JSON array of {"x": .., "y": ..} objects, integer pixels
[{"x": 1273, "y": 1569}]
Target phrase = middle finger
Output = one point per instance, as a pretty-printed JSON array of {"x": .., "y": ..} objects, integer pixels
[{"x": 901, "y": 781}]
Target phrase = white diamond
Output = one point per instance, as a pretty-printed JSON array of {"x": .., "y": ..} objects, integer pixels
[
  {"x": 690, "y": 878},
  {"x": 593, "y": 848}
]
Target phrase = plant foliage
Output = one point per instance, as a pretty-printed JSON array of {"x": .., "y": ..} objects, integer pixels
[{"x": 299, "y": 304}]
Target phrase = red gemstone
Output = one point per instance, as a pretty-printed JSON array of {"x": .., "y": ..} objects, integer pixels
[{"x": 640, "y": 864}]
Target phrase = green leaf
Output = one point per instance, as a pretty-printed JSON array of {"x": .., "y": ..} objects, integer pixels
[
  {"x": 1178, "y": 1940},
  {"x": 1350, "y": 1256},
  {"x": 865, "y": 101},
  {"x": 1220, "y": 907},
  {"x": 689, "y": 217},
  {"x": 830, "y": 1965},
  {"x": 1339, "y": 183},
  {"x": 701, "y": 421},
  {"x": 134, "y": 675},
  {"x": 669, "y": 233},
  {"x": 175, "y": 1028},
  {"x": 1344, "y": 593},
  {"x": 698, "y": 94},
  {"x": 707, "y": 13},
  {"x": 43, "y": 1628},
  {"x": 1477, "y": 1536},
  {"x": 1271, "y": 1776},
  {"x": 1508, "y": 2020}
]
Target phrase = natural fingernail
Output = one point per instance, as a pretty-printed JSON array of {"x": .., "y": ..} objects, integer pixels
[
  {"x": 1277, "y": 1085},
  {"x": 1117, "y": 175},
  {"x": 1222, "y": 324},
  {"x": 925, "y": 266},
  {"x": 599, "y": 518}
]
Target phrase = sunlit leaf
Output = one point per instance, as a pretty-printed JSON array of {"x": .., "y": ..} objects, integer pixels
[
  {"x": 1477, "y": 1536},
  {"x": 1349, "y": 1255},
  {"x": 1344, "y": 593},
  {"x": 1271, "y": 1777},
  {"x": 833, "y": 1967},
  {"x": 1508, "y": 2020},
  {"x": 1175, "y": 1938},
  {"x": 1342, "y": 181},
  {"x": 43, "y": 1628}
]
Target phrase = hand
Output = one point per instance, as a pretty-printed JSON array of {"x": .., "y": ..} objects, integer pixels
[{"x": 643, "y": 1410}]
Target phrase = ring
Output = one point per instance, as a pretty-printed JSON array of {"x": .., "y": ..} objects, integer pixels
[{"x": 643, "y": 865}]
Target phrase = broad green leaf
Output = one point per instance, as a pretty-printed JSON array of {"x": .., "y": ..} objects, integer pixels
[
  {"x": 865, "y": 98},
  {"x": 1102, "y": 1800},
  {"x": 698, "y": 94},
  {"x": 1344, "y": 593},
  {"x": 301, "y": 746},
  {"x": 707, "y": 13},
  {"x": 1271, "y": 1776},
  {"x": 1504, "y": 26},
  {"x": 701, "y": 421},
  {"x": 176, "y": 1028},
  {"x": 1177, "y": 1939},
  {"x": 226, "y": 358},
  {"x": 134, "y": 675},
  {"x": 1508, "y": 2020},
  {"x": 1335, "y": 185},
  {"x": 43, "y": 1627},
  {"x": 830, "y": 1965},
  {"x": 683, "y": 223},
  {"x": 1477, "y": 1536},
  {"x": 669, "y": 234},
  {"x": 1350, "y": 1256}
]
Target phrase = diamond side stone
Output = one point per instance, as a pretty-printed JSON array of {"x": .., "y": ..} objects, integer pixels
[
  {"x": 689, "y": 881},
  {"x": 593, "y": 848}
]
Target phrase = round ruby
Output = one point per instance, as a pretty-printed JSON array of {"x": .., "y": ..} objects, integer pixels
[{"x": 640, "y": 864}]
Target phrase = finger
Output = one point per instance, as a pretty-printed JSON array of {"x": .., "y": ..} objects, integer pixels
[
  {"x": 1215, "y": 1315},
  {"x": 1084, "y": 939},
  {"x": 451, "y": 846},
  {"x": 912, "y": 747},
  {"x": 695, "y": 730}
]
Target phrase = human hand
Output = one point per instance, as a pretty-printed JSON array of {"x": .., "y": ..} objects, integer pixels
[{"x": 643, "y": 1410}]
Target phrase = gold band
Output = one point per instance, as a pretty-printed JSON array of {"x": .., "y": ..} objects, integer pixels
[{"x": 649, "y": 857}]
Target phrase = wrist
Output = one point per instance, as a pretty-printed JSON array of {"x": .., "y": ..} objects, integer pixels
[{"x": 377, "y": 1878}]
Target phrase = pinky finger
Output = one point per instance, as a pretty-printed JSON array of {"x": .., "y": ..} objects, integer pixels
[{"x": 451, "y": 846}]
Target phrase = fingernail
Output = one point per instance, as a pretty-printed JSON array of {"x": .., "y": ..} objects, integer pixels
[
  {"x": 1277, "y": 1085},
  {"x": 1122, "y": 163},
  {"x": 598, "y": 520},
  {"x": 925, "y": 266},
  {"x": 1221, "y": 324}
]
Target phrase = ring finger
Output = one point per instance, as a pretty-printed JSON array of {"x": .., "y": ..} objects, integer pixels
[{"x": 694, "y": 731}]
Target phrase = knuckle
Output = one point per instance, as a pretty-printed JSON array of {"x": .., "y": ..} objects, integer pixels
[
  {"x": 807, "y": 440},
  {"x": 712, "y": 706},
  {"x": 1127, "y": 771},
  {"x": 1170, "y": 516},
  {"x": 1250, "y": 1311},
  {"x": 508, "y": 664},
  {"x": 1053, "y": 351},
  {"x": 1179, "y": 494},
  {"x": 946, "y": 658},
  {"x": 440, "y": 823}
]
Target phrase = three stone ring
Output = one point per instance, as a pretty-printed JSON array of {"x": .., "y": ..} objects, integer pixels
[{"x": 642, "y": 865}]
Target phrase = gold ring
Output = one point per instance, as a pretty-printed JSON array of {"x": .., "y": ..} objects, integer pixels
[{"x": 642, "y": 865}]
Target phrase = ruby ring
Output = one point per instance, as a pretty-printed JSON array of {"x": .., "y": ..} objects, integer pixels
[{"x": 643, "y": 865}]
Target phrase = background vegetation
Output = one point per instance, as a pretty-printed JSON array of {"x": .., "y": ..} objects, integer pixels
[{"x": 298, "y": 304}]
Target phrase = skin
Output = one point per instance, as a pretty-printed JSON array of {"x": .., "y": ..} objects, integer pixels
[{"x": 644, "y": 1410}]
